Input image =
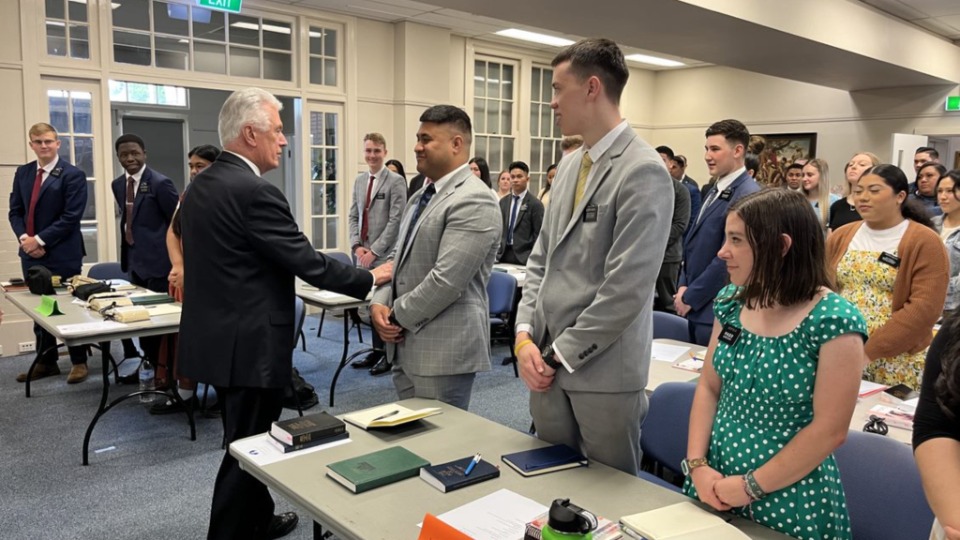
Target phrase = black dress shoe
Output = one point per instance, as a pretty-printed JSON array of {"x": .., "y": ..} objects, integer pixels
[
  {"x": 369, "y": 360},
  {"x": 213, "y": 411},
  {"x": 282, "y": 525},
  {"x": 382, "y": 367},
  {"x": 170, "y": 406}
]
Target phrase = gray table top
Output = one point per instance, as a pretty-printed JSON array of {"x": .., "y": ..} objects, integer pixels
[
  {"x": 393, "y": 511},
  {"x": 76, "y": 314}
]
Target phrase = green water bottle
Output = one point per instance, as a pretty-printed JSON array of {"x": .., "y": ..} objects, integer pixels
[{"x": 568, "y": 522}]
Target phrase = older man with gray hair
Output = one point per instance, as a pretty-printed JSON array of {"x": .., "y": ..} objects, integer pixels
[{"x": 242, "y": 250}]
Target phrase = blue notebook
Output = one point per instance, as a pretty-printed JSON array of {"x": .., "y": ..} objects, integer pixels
[
  {"x": 450, "y": 476},
  {"x": 545, "y": 460}
]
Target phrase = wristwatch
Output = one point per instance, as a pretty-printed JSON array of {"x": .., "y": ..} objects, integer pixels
[
  {"x": 550, "y": 357},
  {"x": 688, "y": 465}
]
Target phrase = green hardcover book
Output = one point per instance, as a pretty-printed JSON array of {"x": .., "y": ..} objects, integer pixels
[
  {"x": 376, "y": 469},
  {"x": 151, "y": 299}
]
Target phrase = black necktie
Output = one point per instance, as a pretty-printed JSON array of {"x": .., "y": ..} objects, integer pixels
[{"x": 428, "y": 194}]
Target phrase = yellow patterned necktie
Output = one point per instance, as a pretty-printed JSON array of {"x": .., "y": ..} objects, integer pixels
[{"x": 585, "y": 165}]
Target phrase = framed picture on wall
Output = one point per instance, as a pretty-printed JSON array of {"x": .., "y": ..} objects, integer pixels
[{"x": 778, "y": 150}]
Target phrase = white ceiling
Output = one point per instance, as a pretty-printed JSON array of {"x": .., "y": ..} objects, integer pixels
[
  {"x": 678, "y": 30},
  {"x": 942, "y": 17}
]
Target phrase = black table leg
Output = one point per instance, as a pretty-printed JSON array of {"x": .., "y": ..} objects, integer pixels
[
  {"x": 344, "y": 359},
  {"x": 33, "y": 365}
]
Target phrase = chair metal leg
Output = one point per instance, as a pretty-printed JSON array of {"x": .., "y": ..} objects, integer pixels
[{"x": 323, "y": 314}]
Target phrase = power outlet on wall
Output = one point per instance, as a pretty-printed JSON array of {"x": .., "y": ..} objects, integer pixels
[{"x": 28, "y": 346}]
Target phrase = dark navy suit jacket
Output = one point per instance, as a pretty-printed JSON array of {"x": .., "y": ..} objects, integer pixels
[
  {"x": 56, "y": 219},
  {"x": 153, "y": 208},
  {"x": 704, "y": 274}
]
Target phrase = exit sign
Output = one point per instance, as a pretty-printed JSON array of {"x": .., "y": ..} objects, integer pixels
[
  {"x": 953, "y": 103},
  {"x": 233, "y": 6}
]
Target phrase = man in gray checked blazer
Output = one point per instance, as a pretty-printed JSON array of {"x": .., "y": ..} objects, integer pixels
[
  {"x": 588, "y": 297},
  {"x": 379, "y": 196},
  {"x": 435, "y": 315}
]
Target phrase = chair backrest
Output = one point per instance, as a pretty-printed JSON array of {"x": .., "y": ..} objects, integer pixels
[
  {"x": 299, "y": 314},
  {"x": 882, "y": 485},
  {"x": 670, "y": 326},
  {"x": 663, "y": 435},
  {"x": 500, "y": 291},
  {"x": 107, "y": 270},
  {"x": 340, "y": 256}
]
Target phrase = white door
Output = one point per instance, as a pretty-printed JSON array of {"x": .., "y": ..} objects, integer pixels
[
  {"x": 904, "y": 148},
  {"x": 324, "y": 204}
]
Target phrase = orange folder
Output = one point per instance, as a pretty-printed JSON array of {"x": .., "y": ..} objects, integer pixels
[{"x": 435, "y": 529}]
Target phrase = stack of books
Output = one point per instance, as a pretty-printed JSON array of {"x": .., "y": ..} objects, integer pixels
[{"x": 308, "y": 431}]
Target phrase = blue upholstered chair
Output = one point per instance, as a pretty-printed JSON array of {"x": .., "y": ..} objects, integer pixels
[
  {"x": 670, "y": 326},
  {"x": 501, "y": 291},
  {"x": 663, "y": 436},
  {"x": 884, "y": 495}
]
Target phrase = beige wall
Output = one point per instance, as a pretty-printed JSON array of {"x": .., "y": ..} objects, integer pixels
[{"x": 394, "y": 71}]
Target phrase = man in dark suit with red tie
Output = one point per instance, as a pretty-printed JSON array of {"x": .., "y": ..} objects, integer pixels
[
  {"x": 147, "y": 200},
  {"x": 242, "y": 250},
  {"x": 46, "y": 204}
]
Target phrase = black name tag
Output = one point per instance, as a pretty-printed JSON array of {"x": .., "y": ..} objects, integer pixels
[
  {"x": 590, "y": 214},
  {"x": 889, "y": 259},
  {"x": 144, "y": 187},
  {"x": 730, "y": 334},
  {"x": 725, "y": 195},
  {"x": 56, "y": 172},
  {"x": 381, "y": 196}
]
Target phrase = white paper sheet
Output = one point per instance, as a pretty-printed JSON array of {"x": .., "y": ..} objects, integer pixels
[
  {"x": 263, "y": 453},
  {"x": 83, "y": 328},
  {"x": 867, "y": 388},
  {"x": 668, "y": 353},
  {"x": 502, "y": 514}
]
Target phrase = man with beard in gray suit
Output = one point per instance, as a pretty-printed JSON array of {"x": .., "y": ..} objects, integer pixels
[
  {"x": 435, "y": 316},
  {"x": 585, "y": 324}
]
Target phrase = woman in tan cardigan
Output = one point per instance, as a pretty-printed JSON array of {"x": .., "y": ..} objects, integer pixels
[{"x": 894, "y": 268}]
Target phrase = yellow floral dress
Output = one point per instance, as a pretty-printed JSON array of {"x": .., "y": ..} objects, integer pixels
[{"x": 868, "y": 284}]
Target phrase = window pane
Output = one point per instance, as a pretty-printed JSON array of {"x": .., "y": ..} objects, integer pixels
[
  {"x": 331, "y": 233},
  {"x": 89, "y": 232},
  {"x": 535, "y": 156},
  {"x": 481, "y": 150},
  {"x": 276, "y": 34},
  {"x": 276, "y": 66},
  {"x": 56, "y": 38},
  {"x": 331, "y": 198},
  {"x": 535, "y": 83},
  {"x": 131, "y": 14},
  {"x": 317, "y": 233},
  {"x": 479, "y": 117},
  {"x": 506, "y": 80},
  {"x": 244, "y": 62},
  {"x": 141, "y": 93},
  {"x": 330, "y": 165},
  {"x": 330, "y": 72},
  {"x": 55, "y": 9},
  {"x": 79, "y": 41},
  {"x": 493, "y": 80},
  {"x": 329, "y": 42},
  {"x": 545, "y": 118},
  {"x": 547, "y": 92},
  {"x": 316, "y": 70},
  {"x": 82, "y": 115},
  {"x": 331, "y": 121},
  {"x": 172, "y": 53},
  {"x": 77, "y": 11},
  {"x": 316, "y": 40},
  {"x": 506, "y": 118},
  {"x": 507, "y": 150},
  {"x": 131, "y": 48},
  {"x": 59, "y": 115},
  {"x": 90, "y": 212},
  {"x": 209, "y": 57},
  {"x": 245, "y": 30},
  {"x": 83, "y": 159},
  {"x": 208, "y": 24},
  {"x": 479, "y": 89},
  {"x": 118, "y": 91},
  {"x": 495, "y": 155},
  {"x": 65, "y": 146},
  {"x": 316, "y": 129},
  {"x": 170, "y": 18},
  {"x": 316, "y": 198},
  {"x": 493, "y": 116},
  {"x": 535, "y": 130}
]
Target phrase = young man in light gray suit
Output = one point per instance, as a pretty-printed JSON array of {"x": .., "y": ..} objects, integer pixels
[
  {"x": 379, "y": 196},
  {"x": 435, "y": 315},
  {"x": 588, "y": 298}
]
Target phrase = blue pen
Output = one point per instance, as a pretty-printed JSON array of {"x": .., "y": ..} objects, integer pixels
[{"x": 473, "y": 463}]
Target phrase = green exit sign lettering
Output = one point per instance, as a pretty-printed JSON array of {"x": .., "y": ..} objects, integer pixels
[
  {"x": 953, "y": 103},
  {"x": 232, "y": 6}
]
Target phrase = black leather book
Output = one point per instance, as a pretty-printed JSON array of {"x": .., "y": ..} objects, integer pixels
[{"x": 304, "y": 429}]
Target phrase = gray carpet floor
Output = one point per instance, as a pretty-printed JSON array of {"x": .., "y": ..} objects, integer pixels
[{"x": 146, "y": 478}]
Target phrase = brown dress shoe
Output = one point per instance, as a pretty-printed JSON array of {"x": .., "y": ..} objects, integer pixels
[
  {"x": 39, "y": 372},
  {"x": 78, "y": 374}
]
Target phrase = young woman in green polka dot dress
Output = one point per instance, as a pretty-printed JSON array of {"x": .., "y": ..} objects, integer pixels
[{"x": 780, "y": 381}]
